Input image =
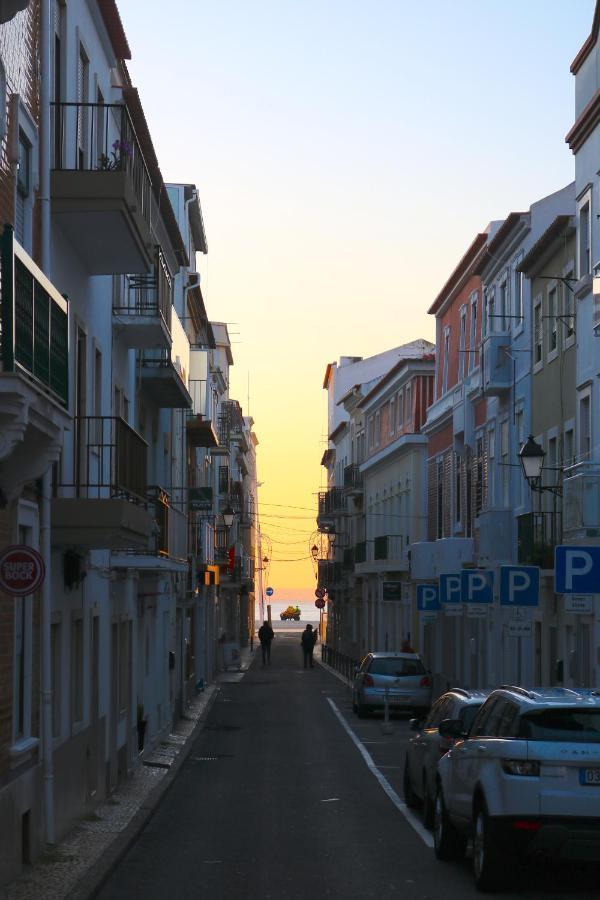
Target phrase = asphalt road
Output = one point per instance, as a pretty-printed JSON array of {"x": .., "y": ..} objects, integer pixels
[{"x": 276, "y": 800}]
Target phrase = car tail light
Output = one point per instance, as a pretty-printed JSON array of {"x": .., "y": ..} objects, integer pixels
[
  {"x": 425, "y": 681},
  {"x": 521, "y": 767},
  {"x": 524, "y": 825},
  {"x": 368, "y": 681}
]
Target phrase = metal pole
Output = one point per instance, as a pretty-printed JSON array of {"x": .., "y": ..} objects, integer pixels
[{"x": 47, "y": 738}]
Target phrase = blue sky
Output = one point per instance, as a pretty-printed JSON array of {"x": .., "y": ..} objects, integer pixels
[{"x": 346, "y": 154}]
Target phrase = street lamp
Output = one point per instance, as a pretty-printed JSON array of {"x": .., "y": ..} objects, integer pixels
[
  {"x": 532, "y": 456},
  {"x": 314, "y": 551},
  {"x": 228, "y": 515}
]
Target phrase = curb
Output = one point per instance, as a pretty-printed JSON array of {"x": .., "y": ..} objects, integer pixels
[
  {"x": 98, "y": 873},
  {"x": 329, "y": 669}
]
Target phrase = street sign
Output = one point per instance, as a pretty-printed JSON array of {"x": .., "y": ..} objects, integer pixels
[
  {"x": 200, "y": 499},
  {"x": 428, "y": 598},
  {"x": 579, "y": 604},
  {"x": 519, "y": 627},
  {"x": 392, "y": 590},
  {"x": 269, "y": 592},
  {"x": 577, "y": 570},
  {"x": 519, "y": 586},
  {"x": 320, "y": 593},
  {"x": 320, "y": 603},
  {"x": 477, "y": 586},
  {"x": 452, "y": 609},
  {"x": 477, "y": 610},
  {"x": 22, "y": 570},
  {"x": 427, "y": 618},
  {"x": 450, "y": 591}
]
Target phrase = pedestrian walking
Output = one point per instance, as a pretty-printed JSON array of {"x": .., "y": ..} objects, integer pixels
[
  {"x": 309, "y": 639},
  {"x": 265, "y": 636}
]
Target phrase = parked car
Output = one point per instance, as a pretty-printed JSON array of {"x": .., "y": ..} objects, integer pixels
[
  {"x": 524, "y": 781},
  {"x": 426, "y": 745},
  {"x": 403, "y": 674}
]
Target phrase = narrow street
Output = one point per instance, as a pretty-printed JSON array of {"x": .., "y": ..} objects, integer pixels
[{"x": 276, "y": 801}]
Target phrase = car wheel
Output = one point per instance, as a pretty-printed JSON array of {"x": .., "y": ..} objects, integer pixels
[
  {"x": 489, "y": 864},
  {"x": 428, "y": 805},
  {"x": 447, "y": 841},
  {"x": 410, "y": 798}
]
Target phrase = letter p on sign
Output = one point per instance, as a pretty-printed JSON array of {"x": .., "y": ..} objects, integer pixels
[
  {"x": 519, "y": 585},
  {"x": 577, "y": 570}
]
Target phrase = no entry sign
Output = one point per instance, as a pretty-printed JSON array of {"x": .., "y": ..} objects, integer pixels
[
  {"x": 320, "y": 603},
  {"x": 22, "y": 570}
]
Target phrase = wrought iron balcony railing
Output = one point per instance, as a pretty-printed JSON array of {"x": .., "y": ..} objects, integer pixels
[
  {"x": 149, "y": 294},
  {"x": 538, "y": 533},
  {"x": 110, "y": 460},
  {"x": 231, "y": 421},
  {"x": 353, "y": 478},
  {"x": 100, "y": 137},
  {"x": 332, "y": 501},
  {"x": 34, "y": 323}
]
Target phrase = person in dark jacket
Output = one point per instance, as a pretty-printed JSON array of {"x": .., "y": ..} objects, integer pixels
[
  {"x": 309, "y": 639},
  {"x": 265, "y": 636}
]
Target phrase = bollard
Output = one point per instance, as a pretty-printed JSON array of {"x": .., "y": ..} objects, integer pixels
[{"x": 386, "y": 727}]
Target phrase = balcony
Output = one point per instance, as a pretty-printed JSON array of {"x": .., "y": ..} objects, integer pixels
[
  {"x": 497, "y": 364},
  {"x": 143, "y": 313},
  {"x": 581, "y": 503},
  {"x": 353, "y": 481},
  {"x": 384, "y": 553},
  {"x": 34, "y": 369},
  {"x": 100, "y": 187},
  {"x": 167, "y": 547},
  {"x": 163, "y": 378},
  {"x": 231, "y": 421},
  {"x": 538, "y": 533},
  {"x": 330, "y": 574},
  {"x": 104, "y": 506},
  {"x": 200, "y": 430}
]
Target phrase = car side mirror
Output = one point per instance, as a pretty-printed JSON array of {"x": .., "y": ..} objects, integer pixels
[
  {"x": 451, "y": 728},
  {"x": 414, "y": 724}
]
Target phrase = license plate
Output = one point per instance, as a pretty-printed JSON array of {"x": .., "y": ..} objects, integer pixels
[{"x": 589, "y": 776}]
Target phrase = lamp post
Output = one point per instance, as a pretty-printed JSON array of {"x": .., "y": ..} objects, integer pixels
[
  {"x": 314, "y": 550},
  {"x": 532, "y": 456}
]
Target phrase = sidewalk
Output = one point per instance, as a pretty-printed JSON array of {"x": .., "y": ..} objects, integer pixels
[{"x": 75, "y": 868}]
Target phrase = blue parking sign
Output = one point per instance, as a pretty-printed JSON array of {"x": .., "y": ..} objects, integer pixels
[
  {"x": 577, "y": 570},
  {"x": 428, "y": 597},
  {"x": 519, "y": 585},
  {"x": 477, "y": 586},
  {"x": 450, "y": 591}
]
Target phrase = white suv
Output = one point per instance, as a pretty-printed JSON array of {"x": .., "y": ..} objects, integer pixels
[{"x": 525, "y": 780}]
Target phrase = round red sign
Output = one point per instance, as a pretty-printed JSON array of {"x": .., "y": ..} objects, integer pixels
[
  {"x": 320, "y": 603},
  {"x": 320, "y": 593},
  {"x": 22, "y": 570}
]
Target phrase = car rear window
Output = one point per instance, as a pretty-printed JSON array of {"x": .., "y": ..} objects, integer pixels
[
  {"x": 572, "y": 725},
  {"x": 396, "y": 667}
]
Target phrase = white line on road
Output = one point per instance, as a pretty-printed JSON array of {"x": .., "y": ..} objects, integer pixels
[{"x": 398, "y": 803}]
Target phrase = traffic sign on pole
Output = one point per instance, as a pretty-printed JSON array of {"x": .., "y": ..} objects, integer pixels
[
  {"x": 320, "y": 593},
  {"x": 22, "y": 570},
  {"x": 320, "y": 603},
  {"x": 519, "y": 586},
  {"x": 269, "y": 592}
]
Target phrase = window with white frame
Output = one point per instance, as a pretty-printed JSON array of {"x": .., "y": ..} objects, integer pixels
[
  {"x": 462, "y": 342},
  {"x": 584, "y": 233},
  {"x": 407, "y": 402},
  {"x": 552, "y": 331},
  {"x": 445, "y": 361},
  {"x": 473, "y": 332},
  {"x": 491, "y": 443},
  {"x": 503, "y": 301},
  {"x": 377, "y": 429},
  {"x": 568, "y": 306},
  {"x": 392, "y": 415},
  {"x": 538, "y": 332},
  {"x": 491, "y": 311},
  {"x": 517, "y": 304},
  {"x": 457, "y": 489},
  {"x": 504, "y": 463},
  {"x": 440, "y": 499},
  {"x": 585, "y": 426},
  {"x": 569, "y": 447},
  {"x": 370, "y": 433},
  {"x": 400, "y": 404}
]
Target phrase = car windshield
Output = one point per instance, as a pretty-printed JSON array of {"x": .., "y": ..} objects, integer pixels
[
  {"x": 571, "y": 725},
  {"x": 396, "y": 667},
  {"x": 468, "y": 715}
]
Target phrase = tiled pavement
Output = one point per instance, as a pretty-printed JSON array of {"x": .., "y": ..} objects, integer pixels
[{"x": 73, "y": 869}]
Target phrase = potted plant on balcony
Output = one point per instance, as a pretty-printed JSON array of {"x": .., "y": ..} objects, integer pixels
[
  {"x": 120, "y": 153},
  {"x": 141, "y": 727}
]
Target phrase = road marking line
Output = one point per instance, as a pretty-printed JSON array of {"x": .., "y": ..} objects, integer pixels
[{"x": 398, "y": 803}]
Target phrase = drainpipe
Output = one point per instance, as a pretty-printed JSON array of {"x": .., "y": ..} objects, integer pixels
[{"x": 45, "y": 535}]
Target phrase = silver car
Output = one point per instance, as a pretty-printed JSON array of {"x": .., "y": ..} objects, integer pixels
[
  {"x": 426, "y": 746},
  {"x": 403, "y": 675}
]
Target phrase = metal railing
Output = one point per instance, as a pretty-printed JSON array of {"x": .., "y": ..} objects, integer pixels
[
  {"x": 34, "y": 323},
  {"x": 332, "y": 501},
  {"x": 231, "y": 421},
  {"x": 353, "y": 478},
  {"x": 148, "y": 295},
  {"x": 538, "y": 533},
  {"x": 197, "y": 389},
  {"x": 100, "y": 137},
  {"x": 345, "y": 665},
  {"x": 109, "y": 460},
  {"x": 330, "y": 574}
]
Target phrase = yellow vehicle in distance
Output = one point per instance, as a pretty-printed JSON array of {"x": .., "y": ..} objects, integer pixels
[{"x": 292, "y": 612}]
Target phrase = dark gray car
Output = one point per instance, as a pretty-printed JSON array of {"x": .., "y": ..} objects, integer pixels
[{"x": 426, "y": 746}]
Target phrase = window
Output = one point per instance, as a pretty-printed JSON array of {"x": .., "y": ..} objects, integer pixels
[
  {"x": 553, "y": 320},
  {"x": 504, "y": 464},
  {"x": 446, "y": 359},
  {"x": 408, "y": 402},
  {"x": 392, "y": 415},
  {"x": 491, "y": 312},
  {"x": 483, "y": 720},
  {"x": 77, "y": 670},
  {"x": 377, "y": 429},
  {"x": 473, "y": 333},
  {"x": 492, "y": 460},
  {"x": 22, "y": 219},
  {"x": 400, "y": 410},
  {"x": 479, "y": 462},
  {"x": 503, "y": 299},
  {"x": 82, "y": 93},
  {"x": 537, "y": 332},
  {"x": 569, "y": 445},
  {"x": 585, "y": 428},
  {"x": 568, "y": 306},
  {"x": 584, "y": 238},
  {"x": 440, "y": 498},
  {"x": 518, "y": 293},
  {"x": 370, "y": 433},
  {"x": 520, "y": 439},
  {"x": 462, "y": 342},
  {"x": 457, "y": 489}
]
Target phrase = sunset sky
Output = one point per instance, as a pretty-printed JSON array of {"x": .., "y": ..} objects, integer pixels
[{"x": 346, "y": 153}]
